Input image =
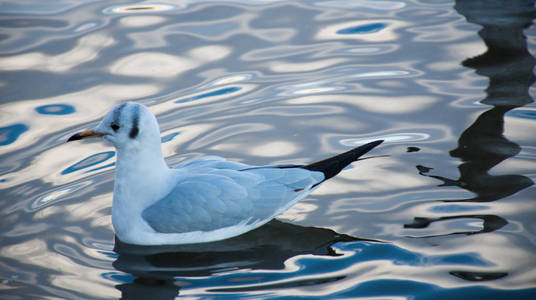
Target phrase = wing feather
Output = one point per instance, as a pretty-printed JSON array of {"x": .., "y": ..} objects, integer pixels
[{"x": 212, "y": 193}]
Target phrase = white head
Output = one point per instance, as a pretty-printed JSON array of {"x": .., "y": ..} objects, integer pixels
[{"x": 127, "y": 125}]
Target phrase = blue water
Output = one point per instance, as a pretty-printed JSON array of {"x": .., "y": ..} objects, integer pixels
[{"x": 444, "y": 209}]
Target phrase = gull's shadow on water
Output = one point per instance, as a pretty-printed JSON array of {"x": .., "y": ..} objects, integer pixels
[{"x": 267, "y": 248}]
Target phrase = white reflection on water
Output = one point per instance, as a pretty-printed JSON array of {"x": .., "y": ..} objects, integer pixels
[
  {"x": 86, "y": 27},
  {"x": 363, "y": 4},
  {"x": 298, "y": 212},
  {"x": 58, "y": 194},
  {"x": 161, "y": 65},
  {"x": 149, "y": 64},
  {"x": 87, "y": 49},
  {"x": 139, "y": 8},
  {"x": 316, "y": 90},
  {"x": 232, "y": 79},
  {"x": 395, "y": 105},
  {"x": 274, "y": 149},
  {"x": 283, "y": 66},
  {"x": 141, "y": 21},
  {"x": 399, "y": 137},
  {"x": 385, "y": 105},
  {"x": 520, "y": 130}
]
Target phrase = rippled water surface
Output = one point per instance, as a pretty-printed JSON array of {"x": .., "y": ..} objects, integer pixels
[{"x": 445, "y": 209}]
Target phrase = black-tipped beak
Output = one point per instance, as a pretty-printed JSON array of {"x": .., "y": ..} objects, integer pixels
[{"x": 85, "y": 135}]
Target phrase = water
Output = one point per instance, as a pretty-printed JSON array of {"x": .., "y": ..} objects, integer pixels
[{"x": 446, "y": 209}]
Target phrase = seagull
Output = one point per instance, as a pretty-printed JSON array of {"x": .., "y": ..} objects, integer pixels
[{"x": 203, "y": 200}]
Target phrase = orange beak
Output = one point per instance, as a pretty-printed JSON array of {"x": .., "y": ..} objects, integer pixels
[{"x": 84, "y": 135}]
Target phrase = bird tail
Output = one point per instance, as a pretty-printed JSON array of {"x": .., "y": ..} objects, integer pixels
[{"x": 333, "y": 165}]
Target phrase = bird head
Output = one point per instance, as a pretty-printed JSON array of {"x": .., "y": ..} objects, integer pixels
[{"x": 126, "y": 125}]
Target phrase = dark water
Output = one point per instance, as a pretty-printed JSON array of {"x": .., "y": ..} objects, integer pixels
[{"x": 447, "y": 210}]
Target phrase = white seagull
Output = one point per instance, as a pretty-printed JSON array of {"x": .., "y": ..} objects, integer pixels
[{"x": 204, "y": 200}]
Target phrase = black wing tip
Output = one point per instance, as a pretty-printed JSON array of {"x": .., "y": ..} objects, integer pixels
[
  {"x": 374, "y": 143},
  {"x": 359, "y": 151},
  {"x": 333, "y": 165},
  {"x": 368, "y": 146}
]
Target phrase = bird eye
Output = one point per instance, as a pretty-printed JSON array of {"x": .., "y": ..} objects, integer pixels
[{"x": 114, "y": 127}]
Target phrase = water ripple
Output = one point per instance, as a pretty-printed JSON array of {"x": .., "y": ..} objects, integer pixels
[
  {"x": 139, "y": 8},
  {"x": 9, "y": 134},
  {"x": 529, "y": 114},
  {"x": 55, "y": 109},
  {"x": 375, "y": 30},
  {"x": 363, "y": 29},
  {"x": 366, "y": 260},
  {"x": 392, "y": 138},
  {"x": 222, "y": 91},
  {"x": 58, "y": 194},
  {"x": 89, "y": 161},
  {"x": 450, "y": 190},
  {"x": 363, "y": 4}
]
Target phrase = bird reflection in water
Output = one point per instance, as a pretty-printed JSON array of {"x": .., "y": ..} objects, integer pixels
[
  {"x": 508, "y": 64},
  {"x": 266, "y": 248}
]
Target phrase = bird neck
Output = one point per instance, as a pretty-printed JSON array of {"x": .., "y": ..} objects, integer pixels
[
  {"x": 142, "y": 177},
  {"x": 141, "y": 162}
]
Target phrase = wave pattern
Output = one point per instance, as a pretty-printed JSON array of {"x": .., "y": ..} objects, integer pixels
[{"x": 445, "y": 209}]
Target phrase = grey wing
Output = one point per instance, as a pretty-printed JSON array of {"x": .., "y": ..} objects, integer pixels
[
  {"x": 199, "y": 203},
  {"x": 211, "y": 162},
  {"x": 227, "y": 196}
]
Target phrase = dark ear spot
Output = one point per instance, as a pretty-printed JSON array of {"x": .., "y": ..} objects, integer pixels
[
  {"x": 134, "y": 132},
  {"x": 135, "y": 125}
]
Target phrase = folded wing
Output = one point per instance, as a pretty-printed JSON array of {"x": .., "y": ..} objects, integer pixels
[{"x": 214, "y": 193}]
